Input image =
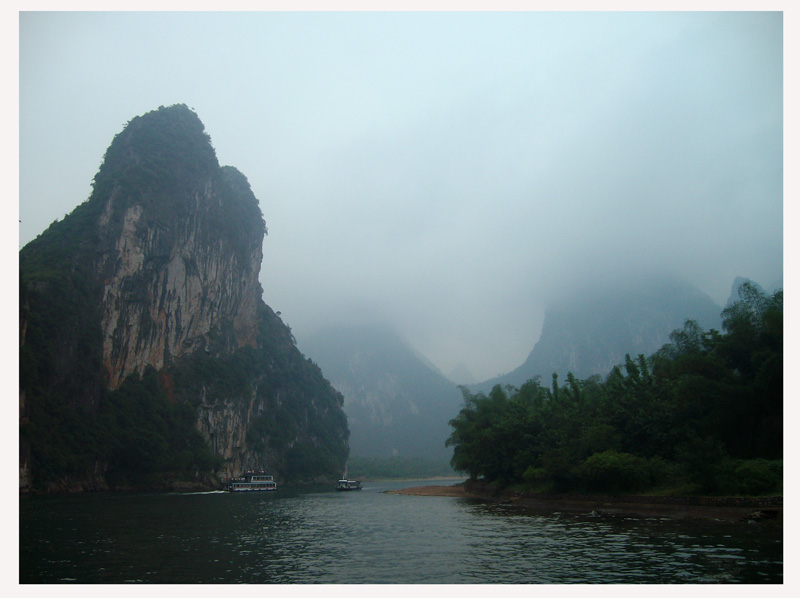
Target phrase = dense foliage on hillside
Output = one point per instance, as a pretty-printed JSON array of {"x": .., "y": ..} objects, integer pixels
[
  {"x": 703, "y": 414},
  {"x": 131, "y": 437}
]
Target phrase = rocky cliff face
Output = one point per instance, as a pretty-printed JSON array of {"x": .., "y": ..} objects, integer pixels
[
  {"x": 158, "y": 270},
  {"x": 163, "y": 297}
]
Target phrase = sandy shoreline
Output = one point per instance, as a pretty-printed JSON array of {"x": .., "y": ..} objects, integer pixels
[{"x": 702, "y": 508}]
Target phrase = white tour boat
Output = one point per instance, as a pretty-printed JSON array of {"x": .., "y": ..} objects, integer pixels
[
  {"x": 348, "y": 485},
  {"x": 250, "y": 481}
]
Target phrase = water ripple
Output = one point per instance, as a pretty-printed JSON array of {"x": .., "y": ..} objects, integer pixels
[{"x": 370, "y": 537}]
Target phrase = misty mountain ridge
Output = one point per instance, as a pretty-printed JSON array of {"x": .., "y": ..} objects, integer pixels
[
  {"x": 397, "y": 402},
  {"x": 740, "y": 280},
  {"x": 591, "y": 331},
  {"x": 460, "y": 374}
]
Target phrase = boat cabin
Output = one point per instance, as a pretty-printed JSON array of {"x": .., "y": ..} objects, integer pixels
[
  {"x": 348, "y": 485},
  {"x": 251, "y": 481}
]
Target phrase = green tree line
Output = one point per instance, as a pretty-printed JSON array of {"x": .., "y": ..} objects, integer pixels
[{"x": 704, "y": 414}]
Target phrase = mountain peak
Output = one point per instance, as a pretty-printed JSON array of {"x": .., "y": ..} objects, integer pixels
[
  {"x": 155, "y": 278},
  {"x": 175, "y": 231}
]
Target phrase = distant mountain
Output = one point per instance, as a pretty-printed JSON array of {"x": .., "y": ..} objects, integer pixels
[
  {"x": 591, "y": 332},
  {"x": 397, "y": 403},
  {"x": 460, "y": 374}
]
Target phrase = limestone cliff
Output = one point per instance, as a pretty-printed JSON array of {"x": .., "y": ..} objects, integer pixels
[
  {"x": 158, "y": 272},
  {"x": 168, "y": 281}
]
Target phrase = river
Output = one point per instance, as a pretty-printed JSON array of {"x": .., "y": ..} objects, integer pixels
[{"x": 320, "y": 536}]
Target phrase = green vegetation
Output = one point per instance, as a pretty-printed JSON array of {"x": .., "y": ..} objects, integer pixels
[
  {"x": 704, "y": 414},
  {"x": 134, "y": 437},
  {"x": 159, "y": 157}
]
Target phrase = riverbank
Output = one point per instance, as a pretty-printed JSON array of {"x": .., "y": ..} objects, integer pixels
[{"x": 673, "y": 507}]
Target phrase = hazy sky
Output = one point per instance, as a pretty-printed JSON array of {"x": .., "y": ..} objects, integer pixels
[{"x": 448, "y": 173}]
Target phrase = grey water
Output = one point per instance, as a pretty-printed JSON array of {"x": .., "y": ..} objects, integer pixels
[{"x": 320, "y": 536}]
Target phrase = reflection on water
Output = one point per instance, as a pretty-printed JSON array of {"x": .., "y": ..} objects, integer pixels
[
  {"x": 322, "y": 536},
  {"x": 586, "y": 549}
]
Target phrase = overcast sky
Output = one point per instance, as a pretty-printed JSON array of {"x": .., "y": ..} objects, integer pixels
[{"x": 447, "y": 173}]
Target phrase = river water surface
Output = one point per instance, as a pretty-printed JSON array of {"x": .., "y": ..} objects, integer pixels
[{"x": 318, "y": 535}]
